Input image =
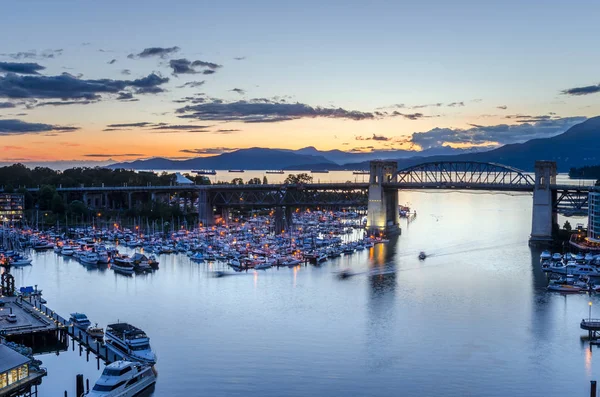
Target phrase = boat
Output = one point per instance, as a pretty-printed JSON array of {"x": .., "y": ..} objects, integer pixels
[
  {"x": 275, "y": 171},
  {"x": 545, "y": 255},
  {"x": 422, "y": 255},
  {"x": 359, "y": 172},
  {"x": 67, "y": 251},
  {"x": 129, "y": 342},
  {"x": 263, "y": 265},
  {"x": 237, "y": 171},
  {"x": 556, "y": 256},
  {"x": 576, "y": 269},
  {"x": 579, "y": 257},
  {"x": 123, "y": 379},
  {"x": 564, "y": 287},
  {"x": 205, "y": 172},
  {"x": 123, "y": 268},
  {"x": 80, "y": 320},
  {"x": 589, "y": 257},
  {"x": 95, "y": 331},
  {"x": 89, "y": 258},
  {"x": 19, "y": 260},
  {"x": 43, "y": 245}
]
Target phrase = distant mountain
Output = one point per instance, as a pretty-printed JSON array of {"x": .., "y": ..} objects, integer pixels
[
  {"x": 247, "y": 159},
  {"x": 578, "y": 146}
]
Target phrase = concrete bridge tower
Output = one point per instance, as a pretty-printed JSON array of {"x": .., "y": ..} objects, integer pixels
[
  {"x": 543, "y": 215},
  {"x": 382, "y": 213}
]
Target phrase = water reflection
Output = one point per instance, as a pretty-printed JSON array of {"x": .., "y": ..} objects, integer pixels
[{"x": 381, "y": 311}]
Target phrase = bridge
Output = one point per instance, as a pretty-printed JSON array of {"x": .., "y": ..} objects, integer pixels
[{"x": 380, "y": 194}]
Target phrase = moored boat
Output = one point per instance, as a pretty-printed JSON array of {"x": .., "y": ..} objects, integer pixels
[
  {"x": 123, "y": 379},
  {"x": 80, "y": 320},
  {"x": 130, "y": 342}
]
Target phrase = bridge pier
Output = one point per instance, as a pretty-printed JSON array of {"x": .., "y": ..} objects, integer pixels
[
  {"x": 382, "y": 213},
  {"x": 205, "y": 212},
  {"x": 544, "y": 198}
]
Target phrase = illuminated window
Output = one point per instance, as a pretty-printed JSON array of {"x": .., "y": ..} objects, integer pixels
[{"x": 3, "y": 380}]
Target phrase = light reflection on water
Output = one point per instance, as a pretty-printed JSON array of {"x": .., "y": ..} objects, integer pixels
[{"x": 472, "y": 319}]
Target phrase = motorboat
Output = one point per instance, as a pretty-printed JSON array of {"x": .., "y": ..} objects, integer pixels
[
  {"x": 589, "y": 257},
  {"x": 579, "y": 257},
  {"x": 576, "y": 269},
  {"x": 422, "y": 255},
  {"x": 80, "y": 320},
  {"x": 263, "y": 265},
  {"x": 556, "y": 256},
  {"x": 19, "y": 260},
  {"x": 67, "y": 251},
  {"x": 123, "y": 379},
  {"x": 89, "y": 258},
  {"x": 197, "y": 257},
  {"x": 564, "y": 288},
  {"x": 568, "y": 257},
  {"x": 95, "y": 331},
  {"x": 129, "y": 342},
  {"x": 545, "y": 255},
  {"x": 122, "y": 264}
]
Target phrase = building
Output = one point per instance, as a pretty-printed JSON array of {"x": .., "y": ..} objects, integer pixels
[
  {"x": 594, "y": 217},
  {"x": 16, "y": 376},
  {"x": 11, "y": 207}
]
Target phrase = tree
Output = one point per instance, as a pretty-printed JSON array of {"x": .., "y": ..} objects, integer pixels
[
  {"x": 297, "y": 179},
  {"x": 77, "y": 207},
  {"x": 57, "y": 204},
  {"x": 567, "y": 226},
  {"x": 265, "y": 180},
  {"x": 254, "y": 181},
  {"x": 598, "y": 182},
  {"x": 9, "y": 188},
  {"x": 45, "y": 196},
  {"x": 237, "y": 181}
]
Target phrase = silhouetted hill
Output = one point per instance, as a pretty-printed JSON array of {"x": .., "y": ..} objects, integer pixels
[
  {"x": 578, "y": 146},
  {"x": 247, "y": 159}
]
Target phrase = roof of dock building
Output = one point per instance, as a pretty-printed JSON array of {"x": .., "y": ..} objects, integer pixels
[{"x": 10, "y": 359}]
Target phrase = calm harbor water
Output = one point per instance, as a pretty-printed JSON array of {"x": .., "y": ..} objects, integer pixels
[{"x": 473, "y": 319}]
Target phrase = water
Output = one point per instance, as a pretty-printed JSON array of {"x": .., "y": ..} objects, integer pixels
[{"x": 472, "y": 319}]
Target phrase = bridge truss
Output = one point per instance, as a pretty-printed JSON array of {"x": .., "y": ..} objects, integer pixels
[{"x": 464, "y": 175}]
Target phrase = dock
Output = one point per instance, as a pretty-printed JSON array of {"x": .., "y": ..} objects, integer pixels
[{"x": 41, "y": 328}]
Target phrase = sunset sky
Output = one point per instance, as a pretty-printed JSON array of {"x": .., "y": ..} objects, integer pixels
[{"x": 83, "y": 80}]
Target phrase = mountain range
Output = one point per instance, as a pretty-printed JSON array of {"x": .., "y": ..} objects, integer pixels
[{"x": 576, "y": 147}]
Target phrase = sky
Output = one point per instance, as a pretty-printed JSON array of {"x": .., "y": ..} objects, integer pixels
[{"x": 118, "y": 80}]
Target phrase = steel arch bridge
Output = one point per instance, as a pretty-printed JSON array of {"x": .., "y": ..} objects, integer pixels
[{"x": 463, "y": 175}]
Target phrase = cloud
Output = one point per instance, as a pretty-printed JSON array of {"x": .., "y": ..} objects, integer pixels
[
  {"x": 66, "y": 86},
  {"x": 124, "y": 125},
  {"x": 495, "y": 134},
  {"x": 6, "y": 105},
  {"x": 182, "y": 127},
  {"x": 502, "y": 107},
  {"x": 433, "y": 105},
  {"x": 456, "y": 104},
  {"x": 208, "y": 71},
  {"x": 226, "y": 132},
  {"x": 126, "y": 72},
  {"x": 112, "y": 61},
  {"x": 375, "y": 137},
  {"x": 204, "y": 64},
  {"x": 578, "y": 91},
  {"x": 21, "y": 68},
  {"x": 149, "y": 90},
  {"x": 10, "y": 147},
  {"x": 35, "y": 55},
  {"x": 192, "y": 84},
  {"x": 263, "y": 110},
  {"x": 155, "y": 52},
  {"x": 410, "y": 116},
  {"x": 126, "y": 96},
  {"x": 64, "y": 103},
  {"x": 101, "y": 155},
  {"x": 19, "y": 127},
  {"x": 239, "y": 58},
  {"x": 214, "y": 150},
  {"x": 238, "y": 90}
]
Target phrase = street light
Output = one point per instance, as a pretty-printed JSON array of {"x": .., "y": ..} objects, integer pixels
[{"x": 590, "y": 316}]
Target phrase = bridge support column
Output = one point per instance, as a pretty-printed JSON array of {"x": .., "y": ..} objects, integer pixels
[
  {"x": 543, "y": 215},
  {"x": 205, "y": 213},
  {"x": 382, "y": 213},
  {"x": 129, "y": 200}
]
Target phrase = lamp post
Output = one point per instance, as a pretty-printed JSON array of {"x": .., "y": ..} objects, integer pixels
[{"x": 590, "y": 315}]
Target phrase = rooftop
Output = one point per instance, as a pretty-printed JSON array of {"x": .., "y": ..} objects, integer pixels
[{"x": 10, "y": 359}]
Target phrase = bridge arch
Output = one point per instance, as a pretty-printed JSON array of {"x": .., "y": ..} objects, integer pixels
[{"x": 464, "y": 173}]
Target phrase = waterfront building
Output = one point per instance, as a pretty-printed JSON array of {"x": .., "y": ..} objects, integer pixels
[
  {"x": 11, "y": 207},
  {"x": 594, "y": 217},
  {"x": 15, "y": 373}
]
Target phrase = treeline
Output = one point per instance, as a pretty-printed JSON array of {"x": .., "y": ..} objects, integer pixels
[
  {"x": 587, "y": 172},
  {"x": 17, "y": 175}
]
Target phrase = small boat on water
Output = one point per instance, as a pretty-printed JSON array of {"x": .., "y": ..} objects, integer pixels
[
  {"x": 67, "y": 251},
  {"x": 129, "y": 342},
  {"x": 545, "y": 255},
  {"x": 19, "y": 260},
  {"x": 95, "y": 331},
  {"x": 564, "y": 288},
  {"x": 205, "y": 172},
  {"x": 422, "y": 255},
  {"x": 123, "y": 379},
  {"x": 80, "y": 320},
  {"x": 89, "y": 258},
  {"x": 556, "y": 256}
]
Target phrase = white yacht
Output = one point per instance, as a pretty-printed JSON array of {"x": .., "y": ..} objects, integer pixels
[
  {"x": 67, "y": 251},
  {"x": 80, "y": 320},
  {"x": 123, "y": 379},
  {"x": 89, "y": 258},
  {"x": 129, "y": 342},
  {"x": 545, "y": 255},
  {"x": 589, "y": 257},
  {"x": 576, "y": 269}
]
